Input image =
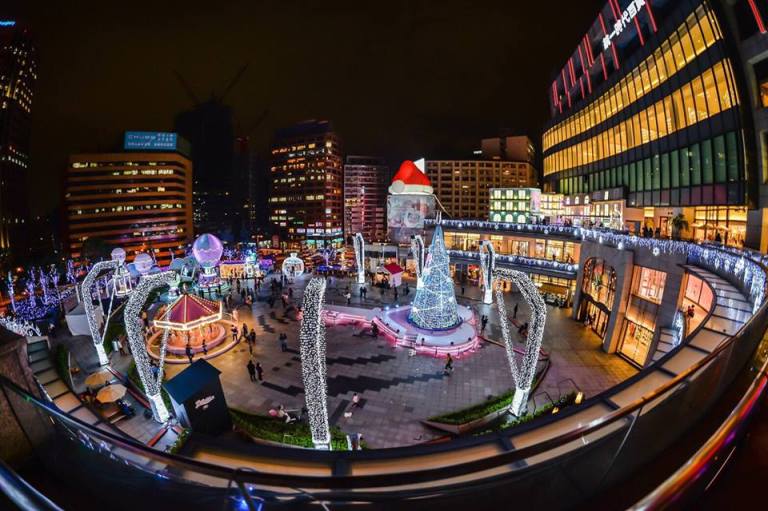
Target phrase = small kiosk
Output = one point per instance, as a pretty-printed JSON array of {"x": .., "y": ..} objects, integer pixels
[{"x": 198, "y": 399}]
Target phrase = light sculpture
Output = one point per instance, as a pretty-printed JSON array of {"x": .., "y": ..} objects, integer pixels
[
  {"x": 417, "y": 249},
  {"x": 487, "y": 265},
  {"x": 207, "y": 250},
  {"x": 359, "y": 244},
  {"x": 121, "y": 280},
  {"x": 134, "y": 327},
  {"x": 143, "y": 263},
  {"x": 434, "y": 307},
  {"x": 524, "y": 374},
  {"x": 86, "y": 288},
  {"x": 313, "y": 364}
]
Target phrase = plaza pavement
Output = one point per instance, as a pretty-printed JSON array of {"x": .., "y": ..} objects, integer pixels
[{"x": 397, "y": 390}]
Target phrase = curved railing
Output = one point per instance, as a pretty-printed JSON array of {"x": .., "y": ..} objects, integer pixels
[{"x": 576, "y": 453}]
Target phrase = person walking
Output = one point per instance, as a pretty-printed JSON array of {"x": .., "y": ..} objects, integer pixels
[
  {"x": 483, "y": 323},
  {"x": 348, "y": 296},
  {"x": 448, "y": 365},
  {"x": 189, "y": 352},
  {"x": 260, "y": 371},
  {"x": 234, "y": 333},
  {"x": 355, "y": 401},
  {"x": 514, "y": 313},
  {"x": 462, "y": 290},
  {"x": 251, "y": 370},
  {"x": 283, "y": 343}
]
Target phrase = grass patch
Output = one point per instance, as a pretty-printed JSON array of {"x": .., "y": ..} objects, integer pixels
[
  {"x": 564, "y": 402},
  {"x": 133, "y": 375},
  {"x": 492, "y": 404},
  {"x": 176, "y": 446},
  {"x": 61, "y": 359},
  {"x": 274, "y": 430}
]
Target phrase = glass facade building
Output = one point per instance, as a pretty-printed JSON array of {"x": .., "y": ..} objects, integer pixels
[{"x": 654, "y": 102}]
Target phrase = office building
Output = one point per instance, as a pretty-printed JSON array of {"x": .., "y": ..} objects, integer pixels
[
  {"x": 515, "y": 148},
  {"x": 138, "y": 200},
  {"x": 18, "y": 74},
  {"x": 366, "y": 179},
  {"x": 660, "y": 107},
  {"x": 462, "y": 185},
  {"x": 306, "y": 170}
]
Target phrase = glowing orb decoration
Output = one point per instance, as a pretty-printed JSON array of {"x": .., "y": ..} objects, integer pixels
[
  {"x": 143, "y": 263},
  {"x": 207, "y": 250},
  {"x": 118, "y": 254},
  {"x": 293, "y": 266}
]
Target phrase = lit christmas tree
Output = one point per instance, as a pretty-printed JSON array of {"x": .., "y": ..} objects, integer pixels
[{"x": 434, "y": 307}]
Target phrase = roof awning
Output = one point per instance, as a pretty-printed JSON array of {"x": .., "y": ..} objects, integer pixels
[{"x": 190, "y": 311}]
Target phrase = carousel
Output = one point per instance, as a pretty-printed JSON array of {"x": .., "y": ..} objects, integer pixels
[{"x": 192, "y": 326}]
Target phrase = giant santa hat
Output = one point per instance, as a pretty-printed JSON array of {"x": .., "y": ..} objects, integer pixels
[{"x": 410, "y": 180}]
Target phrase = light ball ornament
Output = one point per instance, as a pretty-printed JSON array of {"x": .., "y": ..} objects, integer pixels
[
  {"x": 207, "y": 250},
  {"x": 118, "y": 254},
  {"x": 143, "y": 263},
  {"x": 293, "y": 266}
]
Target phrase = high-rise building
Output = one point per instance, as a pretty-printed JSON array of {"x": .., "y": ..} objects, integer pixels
[
  {"x": 660, "y": 106},
  {"x": 306, "y": 170},
  {"x": 462, "y": 186},
  {"x": 515, "y": 148},
  {"x": 140, "y": 201},
  {"x": 18, "y": 74},
  {"x": 366, "y": 179}
]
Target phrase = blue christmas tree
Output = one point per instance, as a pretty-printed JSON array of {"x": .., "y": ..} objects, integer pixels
[{"x": 434, "y": 307}]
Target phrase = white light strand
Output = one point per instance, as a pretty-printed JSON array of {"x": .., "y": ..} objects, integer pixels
[
  {"x": 20, "y": 327},
  {"x": 417, "y": 249},
  {"x": 434, "y": 307},
  {"x": 86, "y": 289},
  {"x": 134, "y": 327},
  {"x": 359, "y": 244},
  {"x": 313, "y": 364},
  {"x": 487, "y": 256},
  {"x": 523, "y": 375}
]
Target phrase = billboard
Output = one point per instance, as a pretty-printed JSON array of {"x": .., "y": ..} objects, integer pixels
[
  {"x": 406, "y": 215},
  {"x": 150, "y": 141}
]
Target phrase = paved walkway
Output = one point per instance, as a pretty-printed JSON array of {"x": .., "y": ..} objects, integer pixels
[{"x": 398, "y": 391}]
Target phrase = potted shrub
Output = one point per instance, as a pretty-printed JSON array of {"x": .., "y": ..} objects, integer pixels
[{"x": 679, "y": 224}]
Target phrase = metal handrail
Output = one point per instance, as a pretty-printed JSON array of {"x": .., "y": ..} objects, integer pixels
[{"x": 21, "y": 493}]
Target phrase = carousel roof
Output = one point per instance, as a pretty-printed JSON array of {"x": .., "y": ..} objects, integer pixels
[
  {"x": 190, "y": 311},
  {"x": 393, "y": 268}
]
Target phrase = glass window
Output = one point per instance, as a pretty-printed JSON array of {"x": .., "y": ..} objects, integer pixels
[
  {"x": 699, "y": 100},
  {"x": 710, "y": 91},
  {"x": 707, "y": 170},
  {"x": 699, "y": 44},
  {"x": 690, "y": 105},
  {"x": 722, "y": 86},
  {"x": 674, "y": 161},
  {"x": 695, "y": 162},
  {"x": 685, "y": 168},
  {"x": 719, "y": 157},
  {"x": 665, "y": 170},
  {"x": 648, "y": 283},
  {"x": 647, "y": 179},
  {"x": 656, "y": 171},
  {"x": 732, "y": 156}
]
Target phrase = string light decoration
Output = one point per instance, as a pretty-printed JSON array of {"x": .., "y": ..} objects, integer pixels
[
  {"x": 434, "y": 307},
  {"x": 293, "y": 266},
  {"x": 524, "y": 374},
  {"x": 417, "y": 249},
  {"x": 487, "y": 265},
  {"x": 86, "y": 289},
  {"x": 516, "y": 260},
  {"x": 313, "y": 365},
  {"x": 20, "y": 327},
  {"x": 359, "y": 244},
  {"x": 134, "y": 327}
]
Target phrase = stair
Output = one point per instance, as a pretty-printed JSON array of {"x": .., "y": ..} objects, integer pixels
[{"x": 665, "y": 345}]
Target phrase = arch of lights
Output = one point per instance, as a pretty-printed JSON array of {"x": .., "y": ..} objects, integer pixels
[
  {"x": 487, "y": 265},
  {"x": 359, "y": 244},
  {"x": 90, "y": 311},
  {"x": 313, "y": 364},
  {"x": 134, "y": 327},
  {"x": 524, "y": 373},
  {"x": 417, "y": 249}
]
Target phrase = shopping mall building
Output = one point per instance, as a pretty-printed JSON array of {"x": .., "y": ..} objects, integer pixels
[{"x": 660, "y": 111}]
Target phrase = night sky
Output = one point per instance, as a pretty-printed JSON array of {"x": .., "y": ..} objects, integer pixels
[{"x": 399, "y": 79}]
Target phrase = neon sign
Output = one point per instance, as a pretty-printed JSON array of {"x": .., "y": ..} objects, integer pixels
[
  {"x": 7, "y": 23},
  {"x": 626, "y": 18}
]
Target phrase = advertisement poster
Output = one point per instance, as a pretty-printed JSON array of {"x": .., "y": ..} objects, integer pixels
[{"x": 406, "y": 215}]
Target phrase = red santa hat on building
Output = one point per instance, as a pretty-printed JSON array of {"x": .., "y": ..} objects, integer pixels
[{"x": 410, "y": 180}]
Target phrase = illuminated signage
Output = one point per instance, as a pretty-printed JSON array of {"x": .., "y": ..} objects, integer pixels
[
  {"x": 626, "y": 18},
  {"x": 7, "y": 23},
  {"x": 149, "y": 141}
]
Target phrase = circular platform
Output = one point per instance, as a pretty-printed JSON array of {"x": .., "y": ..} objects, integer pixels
[
  {"x": 394, "y": 324},
  {"x": 217, "y": 342}
]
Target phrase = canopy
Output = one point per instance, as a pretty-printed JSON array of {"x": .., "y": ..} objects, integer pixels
[
  {"x": 188, "y": 312},
  {"x": 393, "y": 268}
]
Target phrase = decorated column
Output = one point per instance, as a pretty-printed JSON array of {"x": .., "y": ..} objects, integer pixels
[
  {"x": 417, "y": 249},
  {"x": 359, "y": 244},
  {"x": 86, "y": 289},
  {"x": 487, "y": 265},
  {"x": 313, "y": 365}
]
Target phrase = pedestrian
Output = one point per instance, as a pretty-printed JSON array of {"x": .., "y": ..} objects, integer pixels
[
  {"x": 260, "y": 371},
  {"x": 290, "y": 292},
  {"x": 514, "y": 314},
  {"x": 245, "y": 330},
  {"x": 355, "y": 401},
  {"x": 348, "y": 296},
  {"x": 190, "y": 353},
  {"x": 483, "y": 322},
  {"x": 448, "y": 365},
  {"x": 283, "y": 343},
  {"x": 252, "y": 336},
  {"x": 234, "y": 333},
  {"x": 251, "y": 370},
  {"x": 205, "y": 348},
  {"x": 462, "y": 290},
  {"x": 395, "y": 294}
]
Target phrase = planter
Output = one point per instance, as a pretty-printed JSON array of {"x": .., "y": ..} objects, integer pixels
[{"x": 458, "y": 429}]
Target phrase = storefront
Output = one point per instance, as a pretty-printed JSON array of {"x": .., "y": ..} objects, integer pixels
[
  {"x": 598, "y": 287},
  {"x": 639, "y": 324},
  {"x": 722, "y": 224}
]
